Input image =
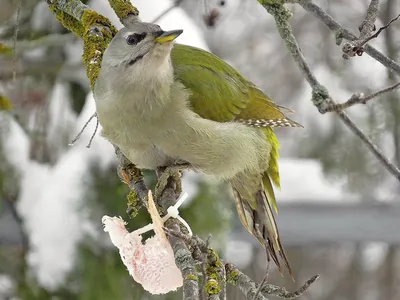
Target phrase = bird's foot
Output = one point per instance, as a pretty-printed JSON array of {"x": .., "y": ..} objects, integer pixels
[{"x": 173, "y": 172}]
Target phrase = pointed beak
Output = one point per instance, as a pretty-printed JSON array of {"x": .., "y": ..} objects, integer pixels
[{"x": 167, "y": 36}]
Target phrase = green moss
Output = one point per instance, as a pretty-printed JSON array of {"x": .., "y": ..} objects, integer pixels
[
  {"x": 280, "y": 13},
  {"x": 133, "y": 203},
  {"x": 214, "y": 271},
  {"x": 271, "y": 2},
  {"x": 192, "y": 277},
  {"x": 5, "y": 103},
  {"x": 68, "y": 21},
  {"x": 91, "y": 18},
  {"x": 212, "y": 287},
  {"x": 319, "y": 95},
  {"x": 5, "y": 50},
  {"x": 232, "y": 277},
  {"x": 94, "y": 45},
  {"x": 123, "y": 8}
]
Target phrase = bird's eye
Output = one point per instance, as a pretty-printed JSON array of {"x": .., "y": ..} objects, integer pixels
[
  {"x": 135, "y": 38},
  {"x": 222, "y": 3}
]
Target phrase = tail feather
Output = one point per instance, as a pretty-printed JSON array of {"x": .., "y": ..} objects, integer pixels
[{"x": 258, "y": 218}]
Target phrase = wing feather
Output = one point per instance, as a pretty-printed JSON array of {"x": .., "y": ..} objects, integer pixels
[{"x": 220, "y": 93}]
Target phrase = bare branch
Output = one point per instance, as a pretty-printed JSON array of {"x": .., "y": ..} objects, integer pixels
[
  {"x": 368, "y": 25},
  {"x": 375, "y": 35},
  {"x": 357, "y": 47},
  {"x": 359, "y": 98},
  {"x": 249, "y": 287},
  {"x": 281, "y": 292},
  {"x": 83, "y": 129},
  {"x": 320, "y": 96},
  {"x": 342, "y": 32},
  {"x": 350, "y": 49},
  {"x": 94, "y": 133}
]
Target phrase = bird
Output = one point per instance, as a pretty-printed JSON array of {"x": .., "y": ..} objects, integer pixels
[{"x": 163, "y": 103}]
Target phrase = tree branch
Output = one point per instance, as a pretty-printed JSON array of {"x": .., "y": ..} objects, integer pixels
[
  {"x": 359, "y": 98},
  {"x": 375, "y": 35},
  {"x": 235, "y": 277},
  {"x": 320, "y": 96},
  {"x": 97, "y": 32},
  {"x": 249, "y": 287},
  {"x": 350, "y": 49},
  {"x": 342, "y": 32},
  {"x": 368, "y": 25}
]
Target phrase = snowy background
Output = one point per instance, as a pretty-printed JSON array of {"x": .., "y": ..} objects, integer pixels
[{"x": 53, "y": 195}]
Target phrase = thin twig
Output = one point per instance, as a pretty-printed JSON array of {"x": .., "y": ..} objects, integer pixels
[
  {"x": 264, "y": 280},
  {"x": 249, "y": 287},
  {"x": 357, "y": 47},
  {"x": 281, "y": 292},
  {"x": 176, "y": 4},
  {"x": 320, "y": 95},
  {"x": 83, "y": 129},
  {"x": 342, "y": 32},
  {"x": 376, "y": 34},
  {"x": 94, "y": 132},
  {"x": 359, "y": 98},
  {"x": 15, "y": 41},
  {"x": 350, "y": 49}
]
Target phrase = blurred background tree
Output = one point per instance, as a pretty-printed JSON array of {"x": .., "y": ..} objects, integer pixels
[{"x": 53, "y": 196}]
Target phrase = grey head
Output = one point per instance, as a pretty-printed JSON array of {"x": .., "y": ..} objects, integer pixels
[{"x": 139, "y": 44}]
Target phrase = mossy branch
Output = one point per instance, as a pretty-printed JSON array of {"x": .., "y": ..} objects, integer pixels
[
  {"x": 124, "y": 10},
  {"x": 97, "y": 32}
]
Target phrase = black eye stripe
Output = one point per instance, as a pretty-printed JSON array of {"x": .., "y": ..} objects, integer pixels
[
  {"x": 133, "y": 61},
  {"x": 135, "y": 38}
]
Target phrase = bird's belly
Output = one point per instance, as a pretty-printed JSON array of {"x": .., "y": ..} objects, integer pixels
[
  {"x": 138, "y": 138},
  {"x": 178, "y": 134},
  {"x": 147, "y": 158}
]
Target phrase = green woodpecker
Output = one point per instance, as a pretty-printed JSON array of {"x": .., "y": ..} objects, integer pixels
[{"x": 163, "y": 103}]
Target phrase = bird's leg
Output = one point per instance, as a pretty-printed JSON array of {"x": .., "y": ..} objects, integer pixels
[{"x": 173, "y": 172}]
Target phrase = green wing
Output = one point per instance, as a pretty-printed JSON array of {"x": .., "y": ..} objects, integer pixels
[{"x": 220, "y": 93}]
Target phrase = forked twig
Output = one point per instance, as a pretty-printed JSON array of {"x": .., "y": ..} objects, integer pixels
[
  {"x": 93, "y": 134},
  {"x": 83, "y": 129},
  {"x": 359, "y": 98}
]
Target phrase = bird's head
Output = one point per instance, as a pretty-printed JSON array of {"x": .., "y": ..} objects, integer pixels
[{"x": 143, "y": 45}]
